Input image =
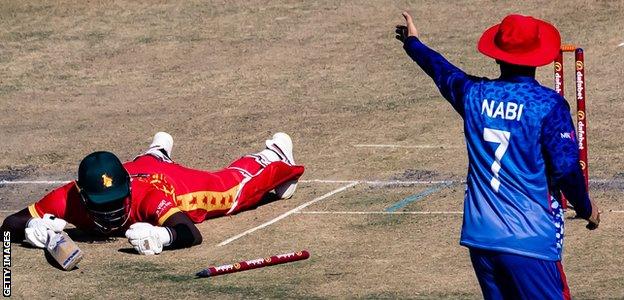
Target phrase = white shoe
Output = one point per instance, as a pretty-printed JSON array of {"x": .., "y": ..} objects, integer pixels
[
  {"x": 282, "y": 145},
  {"x": 286, "y": 190},
  {"x": 161, "y": 146}
]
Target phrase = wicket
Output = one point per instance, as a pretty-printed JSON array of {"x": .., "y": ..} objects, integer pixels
[
  {"x": 581, "y": 115},
  {"x": 254, "y": 264}
]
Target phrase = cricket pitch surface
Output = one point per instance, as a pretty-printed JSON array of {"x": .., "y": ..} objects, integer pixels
[{"x": 379, "y": 207}]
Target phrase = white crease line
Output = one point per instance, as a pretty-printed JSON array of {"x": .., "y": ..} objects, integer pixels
[
  {"x": 407, "y": 182},
  {"x": 621, "y": 45},
  {"x": 328, "y": 181},
  {"x": 414, "y": 182},
  {"x": 382, "y": 182},
  {"x": 405, "y": 146},
  {"x": 286, "y": 214},
  {"x": 380, "y": 212},
  {"x": 370, "y": 212},
  {"x": 397, "y": 212},
  {"x": 34, "y": 182},
  {"x": 606, "y": 180},
  {"x": 369, "y": 182}
]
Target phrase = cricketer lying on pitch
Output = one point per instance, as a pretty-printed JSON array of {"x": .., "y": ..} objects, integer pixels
[{"x": 153, "y": 200}]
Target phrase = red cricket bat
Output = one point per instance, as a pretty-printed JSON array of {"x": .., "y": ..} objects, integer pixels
[{"x": 254, "y": 264}]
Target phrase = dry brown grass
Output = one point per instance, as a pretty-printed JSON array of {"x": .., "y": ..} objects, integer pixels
[{"x": 220, "y": 76}]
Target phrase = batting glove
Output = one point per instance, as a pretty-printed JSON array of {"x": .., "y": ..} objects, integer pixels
[
  {"x": 148, "y": 239},
  {"x": 36, "y": 232}
]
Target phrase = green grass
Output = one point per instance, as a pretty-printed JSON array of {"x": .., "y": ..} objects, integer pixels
[
  {"x": 10, "y": 88},
  {"x": 29, "y": 36},
  {"x": 251, "y": 284},
  {"x": 145, "y": 40}
]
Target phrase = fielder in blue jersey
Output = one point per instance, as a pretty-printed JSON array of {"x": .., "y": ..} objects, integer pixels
[{"x": 523, "y": 154}]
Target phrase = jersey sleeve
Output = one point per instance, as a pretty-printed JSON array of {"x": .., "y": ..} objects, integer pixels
[
  {"x": 562, "y": 156},
  {"x": 157, "y": 207},
  {"x": 55, "y": 202},
  {"x": 452, "y": 82}
]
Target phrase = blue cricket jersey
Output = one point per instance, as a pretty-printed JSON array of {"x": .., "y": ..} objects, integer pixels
[{"x": 522, "y": 153}]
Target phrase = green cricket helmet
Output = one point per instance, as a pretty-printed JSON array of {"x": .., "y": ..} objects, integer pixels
[{"x": 104, "y": 186}]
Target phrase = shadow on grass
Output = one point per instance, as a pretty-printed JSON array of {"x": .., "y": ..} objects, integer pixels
[
  {"x": 267, "y": 199},
  {"x": 89, "y": 237}
]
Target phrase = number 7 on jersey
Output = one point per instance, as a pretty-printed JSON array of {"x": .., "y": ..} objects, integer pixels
[{"x": 500, "y": 137}]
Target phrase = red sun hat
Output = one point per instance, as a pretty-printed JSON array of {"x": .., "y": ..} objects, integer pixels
[{"x": 521, "y": 40}]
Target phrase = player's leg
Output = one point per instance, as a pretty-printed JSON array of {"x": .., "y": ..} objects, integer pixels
[
  {"x": 272, "y": 169},
  {"x": 200, "y": 194},
  {"x": 484, "y": 265},
  {"x": 257, "y": 184},
  {"x": 161, "y": 147},
  {"x": 154, "y": 158},
  {"x": 280, "y": 148},
  {"x": 532, "y": 278},
  {"x": 238, "y": 187}
]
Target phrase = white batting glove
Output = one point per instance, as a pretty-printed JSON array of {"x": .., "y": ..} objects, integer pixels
[
  {"x": 148, "y": 239},
  {"x": 36, "y": 232}
]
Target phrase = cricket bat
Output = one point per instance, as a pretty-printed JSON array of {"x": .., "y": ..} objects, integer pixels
[{"x": 64, "y": 250}]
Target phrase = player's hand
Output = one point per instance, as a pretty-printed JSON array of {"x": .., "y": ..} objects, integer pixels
[
  {"x": 409, "y": 29},
  {"x": 148, "y": 239},
  {"x": 594, "y": 218},
  {"x": 36, "y": 232}
]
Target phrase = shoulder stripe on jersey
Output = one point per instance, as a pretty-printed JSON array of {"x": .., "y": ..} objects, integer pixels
[
  {"x": 166, "y": 216},
  {"x": 33, "y": 211}
]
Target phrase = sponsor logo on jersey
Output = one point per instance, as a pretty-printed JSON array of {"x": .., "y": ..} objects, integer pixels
[
  {"x": 568, "y": 135},
  {"x": 162, "y": 206}
]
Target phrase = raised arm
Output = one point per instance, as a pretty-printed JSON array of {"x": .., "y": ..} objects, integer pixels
[{"x": 452, "y": 82}]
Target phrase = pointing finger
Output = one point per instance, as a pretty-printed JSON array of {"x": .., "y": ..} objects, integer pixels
[{"x": 407, "y": 17}]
